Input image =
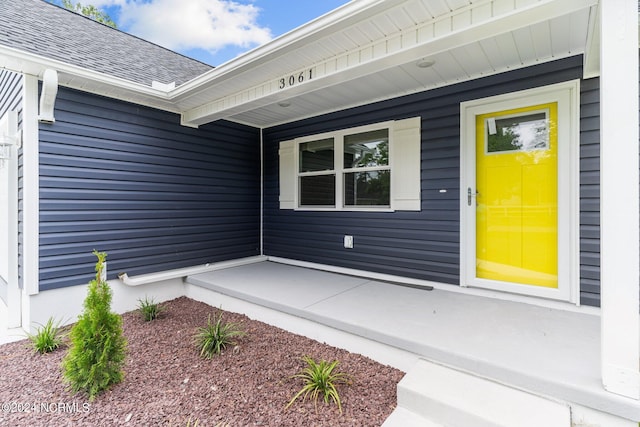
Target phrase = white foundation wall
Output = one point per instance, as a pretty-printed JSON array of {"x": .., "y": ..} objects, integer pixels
[{"x": 66, "y": 304}]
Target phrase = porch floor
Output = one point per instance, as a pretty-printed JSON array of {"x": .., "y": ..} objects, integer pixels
[{"x": 551, "y": 352}]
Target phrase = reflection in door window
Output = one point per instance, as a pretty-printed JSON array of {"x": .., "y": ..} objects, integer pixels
[{"x": 518, "y": 133}]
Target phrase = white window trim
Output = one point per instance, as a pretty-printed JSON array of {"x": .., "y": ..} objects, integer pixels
[
  {"x": 404, "y": 164},
  {"x": 567, "y": 95}
]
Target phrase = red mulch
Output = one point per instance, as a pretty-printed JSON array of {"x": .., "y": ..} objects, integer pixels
[{"x": 167, "y": 383}]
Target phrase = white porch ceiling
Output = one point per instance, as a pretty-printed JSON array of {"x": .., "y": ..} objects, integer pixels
[{"x": 367, "y": 51}]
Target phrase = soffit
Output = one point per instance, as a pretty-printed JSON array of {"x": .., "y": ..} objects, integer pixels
[{"x": 367, "y": 51}]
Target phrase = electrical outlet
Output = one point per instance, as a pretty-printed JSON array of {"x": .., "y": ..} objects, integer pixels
[{"x": 348, "y": 242}]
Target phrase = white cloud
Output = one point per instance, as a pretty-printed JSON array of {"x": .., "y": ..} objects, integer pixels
[{"x": 182, "y": 25}]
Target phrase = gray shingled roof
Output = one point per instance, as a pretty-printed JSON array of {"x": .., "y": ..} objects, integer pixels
[{"x": 44, "y": 29}]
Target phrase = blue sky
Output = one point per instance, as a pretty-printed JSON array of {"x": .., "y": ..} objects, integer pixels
[{"x": 212, "y": 31}]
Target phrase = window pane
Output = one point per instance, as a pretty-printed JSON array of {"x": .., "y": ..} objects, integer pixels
[
  {"x": 521, "y": 133},
  {"x": 316, "y": 155},
  {"x": 367, "y": 188},
  {"x": 367, "y": 149},
  {"x": 319, "y": 190}
]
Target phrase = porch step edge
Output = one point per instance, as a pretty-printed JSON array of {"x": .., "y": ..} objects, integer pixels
[{"x": 447, "y": 396}]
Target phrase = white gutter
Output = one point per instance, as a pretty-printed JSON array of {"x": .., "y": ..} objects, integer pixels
[
  {"x": 145, "y": 279},
  {"x": 261, "y": 192},
  {"x": 84, "y": 79},
  {"x": 36, "y": 64}
]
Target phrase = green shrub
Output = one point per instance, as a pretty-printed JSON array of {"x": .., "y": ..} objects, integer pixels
[
  {"x": 47, "y": 337},
  {"x": 98, "y": 348},
  {"x": 216, "y": 336},
  {"x": 320, "y": 379},
  {"x": 149, "y": 309}
]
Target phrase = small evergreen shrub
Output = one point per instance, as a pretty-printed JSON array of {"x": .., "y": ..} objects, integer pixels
[
  {"x": 47, "y": 337},
  {"x": 149, "y": 309},
  {"x": 213, "y": 338},
  {"x": 320, "y": 379},
  {"x": 98, "y": 348}
]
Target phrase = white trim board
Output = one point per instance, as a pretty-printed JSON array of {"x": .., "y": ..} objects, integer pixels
[{"x": 31, "y": 187}]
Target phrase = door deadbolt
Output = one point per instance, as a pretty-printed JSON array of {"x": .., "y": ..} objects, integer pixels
[{"x": 470, "y": 195}]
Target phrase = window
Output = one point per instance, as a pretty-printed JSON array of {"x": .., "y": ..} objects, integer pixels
[
  {"x": 367, "y": 173},
  {"x": 525, "y": 132},
  {"x": 375, "y": 167},
  {"x": 317, "y": 178}
]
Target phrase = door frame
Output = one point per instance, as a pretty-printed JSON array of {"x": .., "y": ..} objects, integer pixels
[{"x": 567, "y": 95}]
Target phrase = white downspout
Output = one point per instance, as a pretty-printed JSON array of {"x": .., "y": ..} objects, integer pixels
[{"x": 261, "y": 193}]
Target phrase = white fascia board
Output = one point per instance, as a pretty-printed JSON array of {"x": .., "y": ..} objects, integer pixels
[
  {"x": 402, "y": 47},
  {"x": 326, "y": 24},
  {"x": 84, "y": 79}
]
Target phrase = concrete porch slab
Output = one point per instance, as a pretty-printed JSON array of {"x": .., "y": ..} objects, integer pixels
[
  {"x": 268, "y": 281},
  {"x": 551, "y": 352}
]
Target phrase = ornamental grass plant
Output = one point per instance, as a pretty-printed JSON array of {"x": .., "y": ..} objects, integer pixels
[
  {"x": 149, "y": 309},
  {"x": 47, "y": 337},
  {"x": 320, "y": 378},
  {"x": 213, "y": 338}
]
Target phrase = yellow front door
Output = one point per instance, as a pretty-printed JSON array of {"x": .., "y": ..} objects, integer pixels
[{"x": 517, "y": 196}]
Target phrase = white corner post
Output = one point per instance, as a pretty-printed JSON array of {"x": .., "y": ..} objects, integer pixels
[
  {"x": 30, "y": 200},
  {"x": 619, "y": 197}
]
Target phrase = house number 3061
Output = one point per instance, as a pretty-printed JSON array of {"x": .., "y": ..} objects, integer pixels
[{"x": 295, "y": 79}]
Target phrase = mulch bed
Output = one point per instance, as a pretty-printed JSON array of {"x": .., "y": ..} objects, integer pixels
[{"x": 167, "y": 383}]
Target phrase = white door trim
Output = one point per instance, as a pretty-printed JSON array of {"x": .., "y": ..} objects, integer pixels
[{"x": 568, "y": 97}]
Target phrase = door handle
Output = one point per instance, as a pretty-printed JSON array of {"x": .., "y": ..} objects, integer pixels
[{"x": 470, "y": 195}]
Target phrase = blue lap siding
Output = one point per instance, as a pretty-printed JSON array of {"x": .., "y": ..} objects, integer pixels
[
  {"x": 425, "y": 244},
  {"x": 590, "y": 192},
  {"x": 155, "y": 195}
]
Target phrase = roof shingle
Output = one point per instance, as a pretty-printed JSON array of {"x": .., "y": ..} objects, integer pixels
[{"x": 53, "y": 32}]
